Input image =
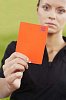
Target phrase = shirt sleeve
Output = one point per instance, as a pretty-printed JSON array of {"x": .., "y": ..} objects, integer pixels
[{"x": 9, "y": 50}]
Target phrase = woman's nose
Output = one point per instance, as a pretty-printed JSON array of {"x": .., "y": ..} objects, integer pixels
[
  {"x": 52, "y": 18},
  {"x": 52, "y": 15}
]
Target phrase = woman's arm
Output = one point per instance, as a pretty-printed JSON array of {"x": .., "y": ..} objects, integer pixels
[
  {"x": 4, "y": 91},
  {"x": 12, "y": 68},
  {"x": 7, "y": 86}
]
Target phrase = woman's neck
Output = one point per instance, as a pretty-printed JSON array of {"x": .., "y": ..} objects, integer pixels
[
  {"x": 55, "y": 41},
  {"x": 54, "y": 44}
]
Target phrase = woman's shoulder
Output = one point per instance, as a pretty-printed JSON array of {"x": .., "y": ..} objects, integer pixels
[
  {"x": 12, "y": 43},
  {"x": 64, "y": 38},
  {"x": 11, "y": 47},
  {"x": 63, "y": 50},
  {"x": 9, "y": 50}
]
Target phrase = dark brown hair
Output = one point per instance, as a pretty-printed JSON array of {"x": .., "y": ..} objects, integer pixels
[{"x": 38, "y": 3}]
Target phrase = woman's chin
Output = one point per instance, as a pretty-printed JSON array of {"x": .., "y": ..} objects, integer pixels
[{"x": 52, "y": 31}]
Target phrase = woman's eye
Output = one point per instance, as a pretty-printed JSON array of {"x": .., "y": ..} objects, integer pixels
[
  {"x": 61, "y": 11},
  {"x": 45, "y": 7}
]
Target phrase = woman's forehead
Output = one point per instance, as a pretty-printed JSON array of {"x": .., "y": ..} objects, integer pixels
[{"x": 54, "y": 2}]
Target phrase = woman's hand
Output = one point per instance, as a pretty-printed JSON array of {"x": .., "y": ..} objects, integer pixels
[{"x": 13, "y": 69}]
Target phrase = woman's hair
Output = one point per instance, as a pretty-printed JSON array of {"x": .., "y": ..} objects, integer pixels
[{"x": 38, "y": 3}]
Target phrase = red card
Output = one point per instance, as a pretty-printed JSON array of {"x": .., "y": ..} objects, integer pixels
[{"x": 31, "y": 41}]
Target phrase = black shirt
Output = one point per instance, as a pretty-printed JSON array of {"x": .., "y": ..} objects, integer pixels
[{"x": 41, "y": 82}]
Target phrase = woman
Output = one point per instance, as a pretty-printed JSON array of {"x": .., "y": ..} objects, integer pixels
[{"x": 48, "y": 80}]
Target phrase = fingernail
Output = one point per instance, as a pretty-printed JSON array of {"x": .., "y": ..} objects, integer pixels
[{"x": 29, "y": 61}]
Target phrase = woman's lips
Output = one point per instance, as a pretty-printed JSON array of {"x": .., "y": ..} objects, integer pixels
[{"x": 52, "y": 24}]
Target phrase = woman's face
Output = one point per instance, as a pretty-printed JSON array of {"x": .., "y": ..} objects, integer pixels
[{"x": 53, "y": 14}]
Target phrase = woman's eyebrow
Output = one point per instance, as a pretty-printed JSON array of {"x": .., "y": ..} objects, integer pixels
[
  {"x": 46, "y": 4},
  {"x": 61, "y": 7}
]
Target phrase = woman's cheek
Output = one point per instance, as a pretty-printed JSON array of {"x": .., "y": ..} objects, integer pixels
[
  {"x": 42, "y": 18},
  {"x": 62, "y": 20}
]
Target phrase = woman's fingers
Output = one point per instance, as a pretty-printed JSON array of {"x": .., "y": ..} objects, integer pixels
[
  {"x": 17, "y": 55},
  {"x": 15, "y": 61},
  {"x": 14, "y": 81},
  {"x": 18, "y": 75},
  {"x": 14, "y": 68}
]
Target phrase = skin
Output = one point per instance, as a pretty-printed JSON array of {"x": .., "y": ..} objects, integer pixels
[
  {"x": 52, "y": 11},
  {"x": 13, "y": 69},
  {"x": 5, "y": 84},
  {"x": 53, "y": 14},
  {"x": 16, "y": 64}
]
